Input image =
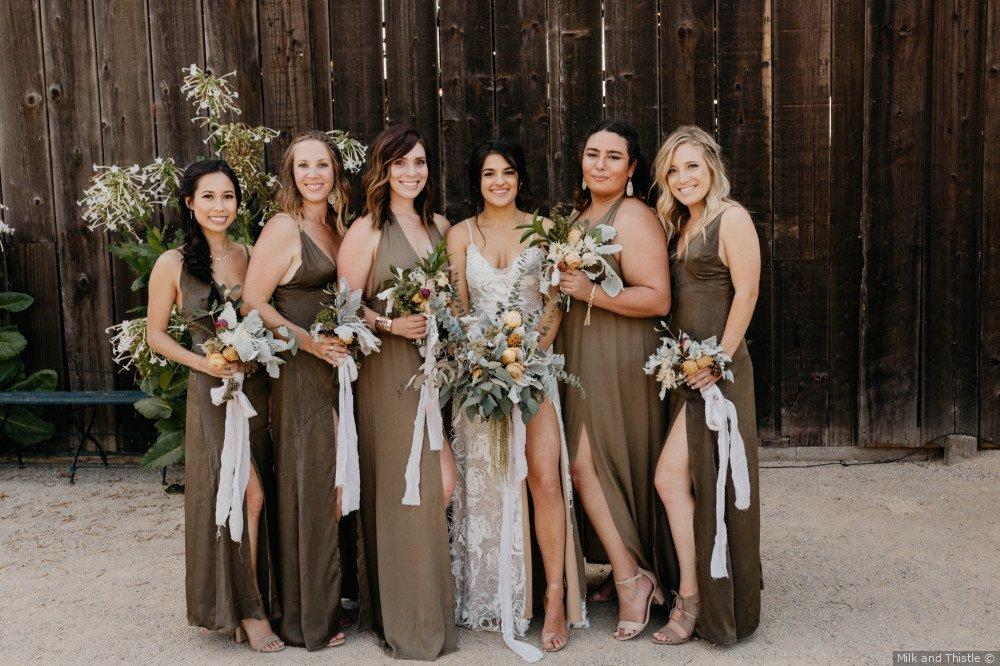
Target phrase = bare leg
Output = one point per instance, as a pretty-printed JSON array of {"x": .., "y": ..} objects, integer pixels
[
  {"x": 632, "y": 597},
  {"x": 543, "y": 450},
  {"x": 673, "y": 484},
  {"x": 253, "y": 506},
  {"x": 449, "y": 473}
]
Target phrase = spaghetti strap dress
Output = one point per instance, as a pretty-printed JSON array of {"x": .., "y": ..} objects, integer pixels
[
  {"x": 624, "y": 420},
  {"x": 702, "y": 294},
  {"x": 303, "y": 407},
  {"x": 406, "y": 594},
  {"x": 221, "y": 585}
]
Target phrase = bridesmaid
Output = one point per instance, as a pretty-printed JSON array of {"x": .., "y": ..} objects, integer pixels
[
  {"x": 616, "y": 431},
  {"x": 487, "y": 257},
  {"x": 715, "y": 270},
  {"x": 410, "y": 601},
  {"x": 293, "y": 262},
  {"x": 229, "y": 584}
]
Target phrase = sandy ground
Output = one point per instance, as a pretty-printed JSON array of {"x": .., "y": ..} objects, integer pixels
[{"x": 858, "y": 562}]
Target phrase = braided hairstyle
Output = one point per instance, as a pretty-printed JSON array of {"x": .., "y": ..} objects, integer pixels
[{"x": 196, "y": 252}]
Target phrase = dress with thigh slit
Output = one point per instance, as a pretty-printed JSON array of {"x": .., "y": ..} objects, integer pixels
[{"x": 702, "y": 294}]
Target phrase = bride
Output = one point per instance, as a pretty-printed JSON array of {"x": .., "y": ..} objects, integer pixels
[{"x": 487, "y": 259}]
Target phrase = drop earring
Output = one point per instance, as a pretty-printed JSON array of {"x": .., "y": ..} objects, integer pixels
[
  {"x": 583, "y": 184},
  {"x": 629, "y": 190}
]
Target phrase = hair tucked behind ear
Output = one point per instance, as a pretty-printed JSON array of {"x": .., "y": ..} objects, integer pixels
[
  {"x": 197, "y": 254},
  {"x": 641, "y": 174}
]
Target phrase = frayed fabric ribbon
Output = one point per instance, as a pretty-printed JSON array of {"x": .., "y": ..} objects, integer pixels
[
  {"x": 516, "y": 472},
  {"x": 348, "y": 474},
  {"x": 428, "y": 414},
  {"x": 234, "y": 464},
  {"x": 720, "y": 416}
]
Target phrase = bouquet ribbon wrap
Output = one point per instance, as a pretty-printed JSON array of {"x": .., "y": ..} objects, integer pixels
[
  {"x": 348, "y": 474},
  {"x": 234, "y": 464},
  {"x": 516, "y": 472},
  {"x": 428, "y": 414},
  {"x": 720, "y": 416}
]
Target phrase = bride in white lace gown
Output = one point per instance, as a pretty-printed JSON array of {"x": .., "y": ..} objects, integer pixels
[{"x": 493, "y": 579}]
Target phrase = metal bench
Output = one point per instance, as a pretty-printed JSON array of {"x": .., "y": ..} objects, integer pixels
[{"x": 82, "y": 412}]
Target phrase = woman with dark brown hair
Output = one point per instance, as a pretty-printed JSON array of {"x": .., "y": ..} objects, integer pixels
[
  {"x": 409, "y": 582},
  {"x": 293, "y": 261}
]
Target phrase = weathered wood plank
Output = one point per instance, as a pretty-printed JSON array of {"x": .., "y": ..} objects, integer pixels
[
  {"x": 522, "y": 99},
  {"x": 231, "y": 45},
  {"x": 631, "y": 87},
  {"x": 847, "y": 90},
  {"x": 286, "y": 57},
  {"x": 576, "y": 99},
  {"x": 358, "y": 89},
  {"x": 803, "y": 359},
  {"x": 744, "y": 130},
  {"x": 687, "y": 65},
  {"x": 949, "y": 315},
  {"x": 892, "y": 235},
  {"x": 322, "y": 73},
  {"x": 176, "y": 41},
  {"x": 989, "y": 276},
  {"x": 27, "y": 187},
  {"x": 467, "y": 103},
  {"x": 75, "y": 145},
  {"x": 411, "y": 64}
]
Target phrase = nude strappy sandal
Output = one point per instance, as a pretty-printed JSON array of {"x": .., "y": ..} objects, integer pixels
[
  {"x": 549, "y": 637},
  {"x": 261, "y": 643},
  {"x": 655, "y": 594},
  {"x": 683, "y": 618}
]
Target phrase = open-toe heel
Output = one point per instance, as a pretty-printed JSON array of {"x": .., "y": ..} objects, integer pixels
[
  {"x": 549, "y": 637},
  {"x": 259, "y": 645},
  {"x": 655, "y": 594},
  {"x": 683, "y": 618}
]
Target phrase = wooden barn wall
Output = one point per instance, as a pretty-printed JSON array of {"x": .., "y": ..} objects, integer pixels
[{"x": 862, "y": 136}]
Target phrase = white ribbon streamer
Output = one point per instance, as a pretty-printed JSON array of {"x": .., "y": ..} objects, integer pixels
[
  {"x": 720, "y": 416},
  {"x": 234, "y": 464},
  {"x": 517, "y": 471},
  {"x": 348, "y": 474},
  {"x": 429, "y": 414}
]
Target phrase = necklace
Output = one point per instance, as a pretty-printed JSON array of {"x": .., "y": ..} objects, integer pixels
[{"x": 222, "y": 257}]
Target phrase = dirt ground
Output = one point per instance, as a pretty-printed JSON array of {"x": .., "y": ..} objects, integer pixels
[{"x": 858, "y": 562}]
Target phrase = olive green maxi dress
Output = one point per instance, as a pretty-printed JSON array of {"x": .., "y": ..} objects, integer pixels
[
  {"x": 303, "y": 408},
  {"x": 221, "y": 585},
  {"x": 624, "y": 420},
  {"x": 407, "y": 598},
  {"x": 702, "y": 294}
]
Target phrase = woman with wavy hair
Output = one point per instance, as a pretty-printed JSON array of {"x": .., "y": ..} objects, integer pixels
[
  {"x": 294, "y": 260},
  {"x": 229, "y": 583},
  {"x": 616, "y": 430},
  {"x": 715, "y": 273},
  {"x": 409, "y": 581}
]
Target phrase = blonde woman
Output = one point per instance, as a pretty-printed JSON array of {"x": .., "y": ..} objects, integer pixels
[
  {"x": 293, "y": 261},
  {"x": 715, "y": 275}
]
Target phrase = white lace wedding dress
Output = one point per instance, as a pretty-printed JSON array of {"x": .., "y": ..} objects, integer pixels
[{"x": 491, "y": 585}]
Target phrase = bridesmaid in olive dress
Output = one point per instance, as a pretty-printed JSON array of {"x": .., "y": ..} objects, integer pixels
[
  {"x": 293, "y": 262},
  {"x": 229, "y": 584},
  {"x": 408, "y": 601},
  {"x": 615, "y": 432},
  {"x": 715, "y": 271}
]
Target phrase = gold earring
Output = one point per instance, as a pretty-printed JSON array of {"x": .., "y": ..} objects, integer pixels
[{"x": 583, "y": 184}]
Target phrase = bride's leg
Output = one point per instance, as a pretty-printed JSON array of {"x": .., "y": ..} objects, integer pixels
[
  {"x": 632, "y": 597},
  {"x": 449, "y": 473},
  {"x": 544, "y": 446}
]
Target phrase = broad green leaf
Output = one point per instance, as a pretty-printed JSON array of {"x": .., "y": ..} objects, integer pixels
[
  {"x": 43, "y": 380},
  {"x": 13, "y": 301},
  {"x": 153, "y": 408},
  {"x": 9, "y": 370},
  {"x": 26, "y": 427},
  {"x": 167, "y": 450},
  {"x": 12, "y": 343}
]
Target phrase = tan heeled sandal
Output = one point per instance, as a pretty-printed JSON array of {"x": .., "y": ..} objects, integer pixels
[
  {"x": 260, "y": 645},
  {"x": 683, "y": 617},
  {"x": 549, "y": 637},
  {"x": 655, "y": 594}
]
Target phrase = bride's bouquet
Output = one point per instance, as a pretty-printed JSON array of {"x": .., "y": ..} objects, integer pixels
[
  {"x": 569, "y": 245},
  {"x": 247, "y": 342},
  {"x": 342, "y": 320},
  {"x": 675, "y": 360}
]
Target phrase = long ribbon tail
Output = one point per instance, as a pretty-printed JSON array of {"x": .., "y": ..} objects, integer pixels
[
  {"x": 516, "y": 472},
  {"x": 348, "y": 474},
  {"x": 715, "y": 419},
  {"x": 428, "y": 414},
  {"x": 234, "y": 462}
]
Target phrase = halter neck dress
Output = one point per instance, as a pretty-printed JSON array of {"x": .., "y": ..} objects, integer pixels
[
  {"x": 702, "y": 295},
  {"x": 304, "y": 407},
  {"x": 221, "y": 585},
  {"x": 406, "y": 596}
]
